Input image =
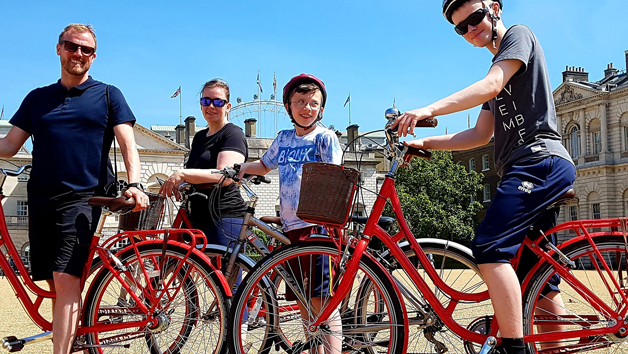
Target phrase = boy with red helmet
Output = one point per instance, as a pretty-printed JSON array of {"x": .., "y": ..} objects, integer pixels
[{"x": 304, "y": 98}]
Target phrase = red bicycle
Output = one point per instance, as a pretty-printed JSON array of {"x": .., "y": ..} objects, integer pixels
[
  {"x": 426, "y": 295},
  {"x": 158, "y": 294}
]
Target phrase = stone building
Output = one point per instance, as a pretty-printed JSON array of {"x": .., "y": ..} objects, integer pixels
[{"x": 592, "y": 117}]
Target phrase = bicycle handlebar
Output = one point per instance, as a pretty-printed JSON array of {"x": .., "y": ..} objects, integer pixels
[{"x": 15, "y": 173}]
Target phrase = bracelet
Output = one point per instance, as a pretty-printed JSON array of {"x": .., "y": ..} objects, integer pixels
[{"x": 137, "y": 185}]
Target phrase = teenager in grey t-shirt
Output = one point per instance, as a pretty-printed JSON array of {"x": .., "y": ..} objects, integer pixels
[
  {"x": 535, "y": 168},
  {"x": 525, "y": 118}
]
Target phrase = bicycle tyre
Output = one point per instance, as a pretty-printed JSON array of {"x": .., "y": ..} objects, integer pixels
[
  {"x": 456, "y": 266},
  {"x": 581, "y": 313},
  {"x": 190, "y": 320},
  {"x": 262, "y": 337}
]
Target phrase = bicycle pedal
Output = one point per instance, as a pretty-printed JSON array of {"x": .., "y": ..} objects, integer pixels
[
  {"x": 12, "y": 344},
  {"x": 488, "y": 346}
]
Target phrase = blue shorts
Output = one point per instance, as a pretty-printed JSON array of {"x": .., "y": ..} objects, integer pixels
[
  {"x": 526, "y": 190},
  {"x": 223, "y": 232}
]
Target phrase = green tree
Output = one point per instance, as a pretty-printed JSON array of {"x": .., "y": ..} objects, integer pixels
[{"x": 436, "y": 199}]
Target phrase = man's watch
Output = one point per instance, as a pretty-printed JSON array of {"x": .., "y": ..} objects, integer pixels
[{"x": 137, "y": 185}]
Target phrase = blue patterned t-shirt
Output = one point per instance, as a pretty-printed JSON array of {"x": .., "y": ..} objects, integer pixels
[{"x": 289, "y": 152}]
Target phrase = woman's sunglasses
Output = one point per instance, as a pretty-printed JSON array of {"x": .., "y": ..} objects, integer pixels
[
  {"x": 473, "y": 20},
  {"x": 218, "y": 102}
]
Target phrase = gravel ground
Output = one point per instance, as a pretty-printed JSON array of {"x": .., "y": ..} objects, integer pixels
[{"x": 15, "y": 322}]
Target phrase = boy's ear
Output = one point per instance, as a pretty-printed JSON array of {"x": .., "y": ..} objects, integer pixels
[{"x": 287, "y": 105}]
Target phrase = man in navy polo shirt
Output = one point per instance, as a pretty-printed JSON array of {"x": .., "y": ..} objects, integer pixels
[{"x": 73, "y": 123}]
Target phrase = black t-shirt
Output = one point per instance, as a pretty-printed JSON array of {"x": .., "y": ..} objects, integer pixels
[
  {"x": 228, "y": 203},
  {"x": 72, "y": 132}
]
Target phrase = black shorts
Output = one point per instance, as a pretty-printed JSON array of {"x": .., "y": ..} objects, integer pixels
[{"x": 60, "y": 233}]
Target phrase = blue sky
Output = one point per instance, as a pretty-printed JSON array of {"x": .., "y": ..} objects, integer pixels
[{"x": 375, "y": 50}]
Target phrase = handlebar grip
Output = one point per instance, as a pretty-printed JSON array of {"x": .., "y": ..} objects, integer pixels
[
  {"x": 427, "y": 123},
  {"x": 256, "y": 179},
  {"x": 424, "y": 154}
]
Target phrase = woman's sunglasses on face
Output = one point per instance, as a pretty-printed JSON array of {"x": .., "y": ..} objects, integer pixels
[
  {"x": 218, "y": 102},
  {"x": 73, "y": 47},
  {"x": 473, "y": 20}
]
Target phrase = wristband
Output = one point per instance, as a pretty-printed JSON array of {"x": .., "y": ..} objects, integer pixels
[{"x": 137, "y": 185}]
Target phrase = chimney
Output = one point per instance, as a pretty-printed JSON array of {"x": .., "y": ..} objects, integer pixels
[
  {"x": 190, "y": 130},
  {"x": 573, "y": 74},
  {"x": 339, "y": 135},
  {"x": 626, "y": 53},
  {"x": 180, "y": 134},
  {"x": 352, "y": 134},
  {"x": 610, "y": 70},
  {"x": 249, "y": 127}
]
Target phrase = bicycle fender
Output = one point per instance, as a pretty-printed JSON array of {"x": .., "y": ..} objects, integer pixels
[{"x": 450, "y": 244}]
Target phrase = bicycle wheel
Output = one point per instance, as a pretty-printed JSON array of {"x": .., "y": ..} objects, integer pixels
[
  {"x": 191, "y": 315},
  {"x": 275, "y": 324},
  {"x": 456, "y": 266},
  {"x": 579, "y": 312}
]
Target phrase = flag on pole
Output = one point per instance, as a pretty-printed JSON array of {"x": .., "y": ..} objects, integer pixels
[
  {"x": 347, "y": 101},
  {"x": 275, "y": 83},
  {"x": 176, "y": 93},
  {"x": 259, "y": 83},
  {"x": 2, "y": 114}
]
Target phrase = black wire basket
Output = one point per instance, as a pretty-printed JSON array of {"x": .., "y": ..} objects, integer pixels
[{"x": 147, "y": 219}]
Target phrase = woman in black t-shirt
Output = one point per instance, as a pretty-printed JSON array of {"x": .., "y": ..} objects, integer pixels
[{"x": 218, "y": 212}]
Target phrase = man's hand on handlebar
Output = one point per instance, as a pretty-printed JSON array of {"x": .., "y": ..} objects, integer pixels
[
  {"x": 141, "y": 199},
  {"x": 408, "y": 121}
]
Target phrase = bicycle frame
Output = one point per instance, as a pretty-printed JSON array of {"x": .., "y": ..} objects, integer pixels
[
  {"x": 388, "y": 193},
  {"x": 101, "y": 259}
]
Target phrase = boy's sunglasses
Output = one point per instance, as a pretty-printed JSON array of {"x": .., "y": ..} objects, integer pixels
[
  {"x": 473, "y": 20},
  {"x": 218, "y": 102},
  {"x": 73, "y": 47}
]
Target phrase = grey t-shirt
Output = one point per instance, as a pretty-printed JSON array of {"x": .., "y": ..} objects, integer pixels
[{"x": 525, "y": 117}]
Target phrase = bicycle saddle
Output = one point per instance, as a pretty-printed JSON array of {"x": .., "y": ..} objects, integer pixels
[
  {"x": 564, "y": 198},
  {"x": 120, "y": 204}
]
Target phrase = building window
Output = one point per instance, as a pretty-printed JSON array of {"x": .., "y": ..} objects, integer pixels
[
  {"x": 23, "y": 177},
  {"x": 573, "y": 212},
  {"x": 471, "y": 164},
  {"x": 487, "y": 192},
  {"x": 485, "y": 163},
  {"x": 574, "y": 143},
  {"x": 595, "y": 208},
  {"x": 22, "y": 212},
  {"x": 597, "y": 142},
  {"x": 625, "y": 140}
]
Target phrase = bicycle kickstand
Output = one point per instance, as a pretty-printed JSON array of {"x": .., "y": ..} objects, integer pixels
[{"x": 488, "y": 345}]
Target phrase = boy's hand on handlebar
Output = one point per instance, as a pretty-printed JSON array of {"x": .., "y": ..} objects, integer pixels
[
  {"x": 406, "y": 122},
  {"x": 141, "y": 199}
]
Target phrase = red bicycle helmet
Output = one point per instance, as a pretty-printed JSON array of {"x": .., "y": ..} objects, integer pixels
[{"x": 302, "y": 79}]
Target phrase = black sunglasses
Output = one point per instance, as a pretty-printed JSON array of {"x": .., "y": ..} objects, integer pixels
[
  {"x": 218, "y": 102},
  {"x": 473, "y": 20},
  {"x": 73, "y": 47}
]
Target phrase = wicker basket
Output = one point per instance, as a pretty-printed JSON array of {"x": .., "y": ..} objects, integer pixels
[
  {"x": 327, "y": 192},
  {"x": 147, "y": 219}
]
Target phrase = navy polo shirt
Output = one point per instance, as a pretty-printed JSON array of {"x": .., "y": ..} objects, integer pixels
[{"x": 72, "y": 133}]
